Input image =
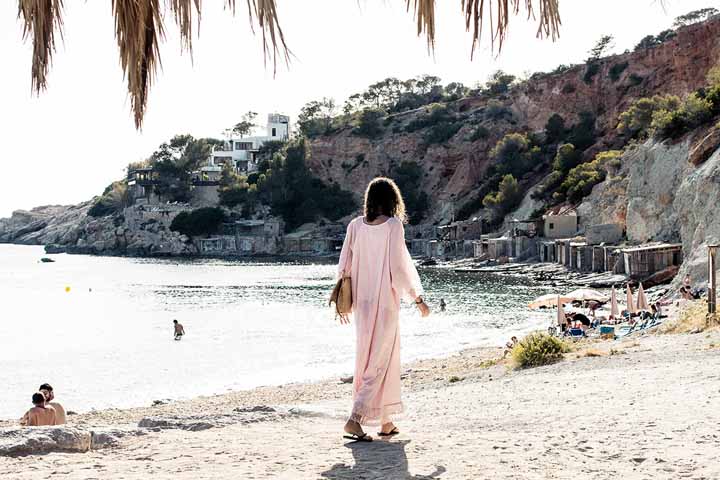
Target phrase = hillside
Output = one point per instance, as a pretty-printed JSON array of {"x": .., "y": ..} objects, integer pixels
[
  {"x": 555, "y": 134},
  {"x": 457, "y": 167}
]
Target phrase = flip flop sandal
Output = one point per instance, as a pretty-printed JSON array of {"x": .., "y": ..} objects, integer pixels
[
  {"x": 358, "y": 438},
  {"x": 392, "y": 432}
]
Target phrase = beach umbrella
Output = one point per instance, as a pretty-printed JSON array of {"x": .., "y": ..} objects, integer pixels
[
  {"x": 584, "y": 294},
  {"x": 614, "y": 310},
  {"x": 630, "y": 304},
  {"x": 560, "y": 311},
  {"x": 548, "y": 301},
  {"x": 642, "y": 302}
]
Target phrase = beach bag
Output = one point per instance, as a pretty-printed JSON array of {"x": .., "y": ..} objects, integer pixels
[{"x": 341, "y": 296}]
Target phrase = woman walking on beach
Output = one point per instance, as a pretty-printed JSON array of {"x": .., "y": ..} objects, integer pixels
[{"x": 377, "y": 261}]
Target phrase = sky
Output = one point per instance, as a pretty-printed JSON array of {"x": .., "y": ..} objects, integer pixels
[{"x": 68, "y": 144}]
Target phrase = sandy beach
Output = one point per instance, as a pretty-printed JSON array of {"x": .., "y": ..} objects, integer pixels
[{"x": 645, "y": 407}]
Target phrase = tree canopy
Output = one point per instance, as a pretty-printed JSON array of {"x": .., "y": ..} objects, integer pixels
[{"x": 695, "y": 16}]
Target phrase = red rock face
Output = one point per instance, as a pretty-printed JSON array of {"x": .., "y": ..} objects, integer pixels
[{"x": 455, "y": 168}]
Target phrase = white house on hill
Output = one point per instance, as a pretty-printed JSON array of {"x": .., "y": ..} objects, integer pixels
[{"x": 240, "y": 152}]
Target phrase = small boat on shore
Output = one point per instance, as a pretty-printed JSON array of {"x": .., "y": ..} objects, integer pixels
[{"x": 47, "y": 260}]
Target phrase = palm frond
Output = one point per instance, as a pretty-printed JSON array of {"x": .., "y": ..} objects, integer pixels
[
  {"x": 42, "y": 19},
  {"x": 424, "y": 12},
  {"x": 478, "y": 11},
  {"x": 475, "y": 12},
  {"x": 183, "y": 12},
  {"x": 273, "y": 38},
  {"x": 138, "y": 30}
]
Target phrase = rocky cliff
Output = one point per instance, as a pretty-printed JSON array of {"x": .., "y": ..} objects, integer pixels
[
  {"x": 454, "y": 169},
  {"x": 660, "y": 194},
  {"x": 69, "y": 228}
]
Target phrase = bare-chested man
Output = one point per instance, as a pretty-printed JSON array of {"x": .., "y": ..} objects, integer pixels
[
  {"x": 179, "y": 330},
  {"x": 40, "y": 414},
  {"x": 47, "y": 390}
]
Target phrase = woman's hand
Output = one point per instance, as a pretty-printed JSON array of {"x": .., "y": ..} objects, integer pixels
[{"x": 422, "y": 306}]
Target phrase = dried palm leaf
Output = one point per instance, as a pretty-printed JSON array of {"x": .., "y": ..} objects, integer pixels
[
  {"x": 424, "y": 12},
  {"x": 42, "y": 19},
  {"x": 183, "y": 11},
  {"x": 475, "y": 11},
  {"x": 273, "y": 39},
  {"x": 138, "y": 29}
]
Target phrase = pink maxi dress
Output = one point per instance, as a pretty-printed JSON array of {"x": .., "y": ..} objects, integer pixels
[{"x": 382, "y": 272}]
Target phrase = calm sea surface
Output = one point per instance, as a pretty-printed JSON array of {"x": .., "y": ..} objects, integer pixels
[{"x": 108, "y": 341}]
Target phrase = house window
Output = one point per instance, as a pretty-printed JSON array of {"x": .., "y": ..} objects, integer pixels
[
  {"x": 552, "y": 225},
  {"x": 243, "y": 145},
  {"x": 274, "y": 132}
]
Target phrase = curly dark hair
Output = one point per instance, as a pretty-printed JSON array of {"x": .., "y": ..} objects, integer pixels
[{"x": 383, "y": 197}]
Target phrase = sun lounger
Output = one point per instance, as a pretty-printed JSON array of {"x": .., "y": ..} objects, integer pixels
[{"x": 576, "y": 333}]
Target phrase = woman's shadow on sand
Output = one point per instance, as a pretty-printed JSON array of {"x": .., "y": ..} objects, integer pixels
[{"x": 379, "y": 459}]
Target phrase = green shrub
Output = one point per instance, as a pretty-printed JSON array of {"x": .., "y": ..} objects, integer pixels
[
  {"x": 298, "y": 196},
  {"x": 480, "y": 133},
  {"x": 651, "y": 41},
  {"x": 538, "y": 349},
  {"x": 616, "y": 70},
  {"x": 442, "y": 132},
  {"x": 646, "y": 42},
  {"x": 561, "y": 69},
  {"x": 553, "y": 181},
  {"x": 581, "y": 179},
  {"x": 408, "y": 176},
  {"x": 499, "y": 82},
  {"x": 113, "y": 200},
  {"x": 591, "y": 70},
  {"x": 495, "y": 110},
  {"x": 583, "y": 134},
  {"x": 234, "y": 195},
  {"x": 369, "y": 123},
  {"x": 270, "y": 148},
  {"x": 554, "y": 129},
  {"x": 203, "y": 221},
  {"x": 636, "y": 120},
  {"x": 512, "y": 154},
  {"x": 567, "y": 157},
  {"x": 692, "y": 112},
  {"x": 506, "y": 198},
  {"x": 569, "y": 88},
  {"x": 434, "y": 115},
  {"x": 635, "y": 80}
]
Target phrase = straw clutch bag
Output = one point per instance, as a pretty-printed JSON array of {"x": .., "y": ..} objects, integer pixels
[{"x": 341, "y": 296}]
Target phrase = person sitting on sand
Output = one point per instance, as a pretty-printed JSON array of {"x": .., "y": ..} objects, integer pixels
[
  {"x": 47, "y": 390},
  {"x": 179, "y": 330},
  {"x": 686, "y": 294},
  {"x": 39, "y": 415}
]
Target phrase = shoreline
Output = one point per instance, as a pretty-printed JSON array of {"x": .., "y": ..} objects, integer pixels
[
  {"x": 610, "y": 409},
  {"x": 283, "y": 394}
]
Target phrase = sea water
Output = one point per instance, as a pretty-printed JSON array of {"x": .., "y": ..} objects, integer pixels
[{"x": 99, "y": 329}]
